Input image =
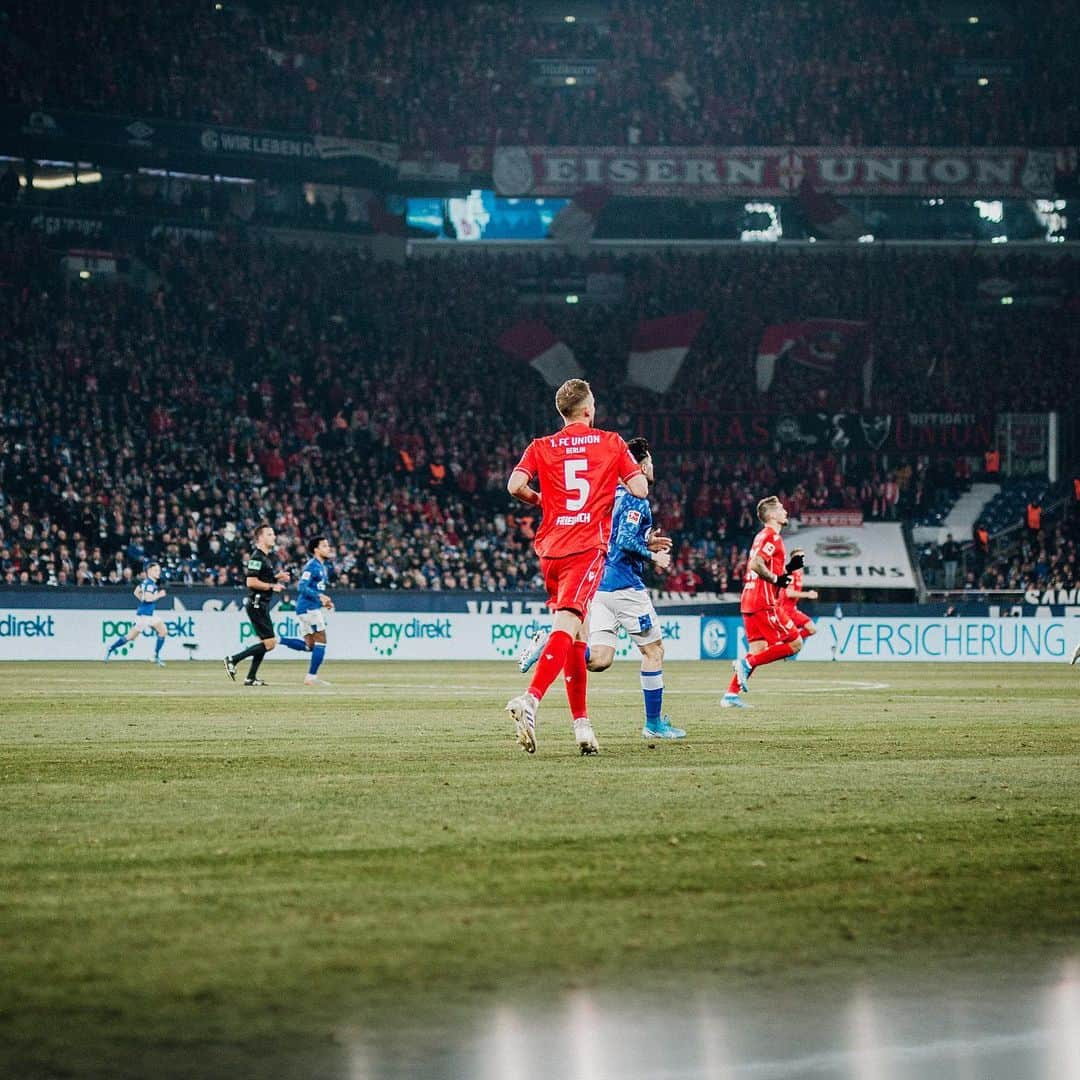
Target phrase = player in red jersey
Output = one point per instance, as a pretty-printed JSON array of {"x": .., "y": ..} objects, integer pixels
[
  {"x": 578, "y": 469},
  {"x": 770, "y": 633},
  {"x": 789, "y": 600}
]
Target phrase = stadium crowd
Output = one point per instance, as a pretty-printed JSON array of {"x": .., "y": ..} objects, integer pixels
[
  {"x": 323, "y": 391},
  {"x": 678, "y": 72}
]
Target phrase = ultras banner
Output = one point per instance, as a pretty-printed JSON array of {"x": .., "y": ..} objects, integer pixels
[
  {"x": 841, "y": 432},
  {"x": 750, "y": 172}
]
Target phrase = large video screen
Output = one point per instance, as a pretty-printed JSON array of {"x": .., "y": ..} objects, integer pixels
[{"x": 482, "y": 215}]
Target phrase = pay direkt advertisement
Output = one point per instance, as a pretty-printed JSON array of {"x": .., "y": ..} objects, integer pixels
[{"x": 72, "y": 634}]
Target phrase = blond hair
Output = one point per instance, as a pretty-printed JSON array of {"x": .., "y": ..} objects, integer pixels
[
  {"x": 770, "y": 502},
  {"x": 571, "y": 396}
]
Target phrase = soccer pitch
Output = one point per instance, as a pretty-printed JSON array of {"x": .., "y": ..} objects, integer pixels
[{"x": 205, "y": 879}]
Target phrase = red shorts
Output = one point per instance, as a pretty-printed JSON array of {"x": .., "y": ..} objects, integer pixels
[
  {"x": 799, "y": 618},
  {"x": 572, "y": 580},
  {"x": 770, "y": 625}
]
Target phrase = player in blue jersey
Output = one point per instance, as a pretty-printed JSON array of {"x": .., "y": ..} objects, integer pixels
[
  {"x": 148, "y": 592},
  {"x": 622, "y": 600},
  {"x": 312, "y": 604}
]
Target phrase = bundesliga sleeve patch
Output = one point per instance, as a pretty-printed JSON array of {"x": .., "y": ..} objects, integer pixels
[
  {"x": 633, "y": 516},
  {"x": 255, "y": 564}
]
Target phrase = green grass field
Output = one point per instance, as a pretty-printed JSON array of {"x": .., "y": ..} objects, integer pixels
[{"x": 194, "y": 872}]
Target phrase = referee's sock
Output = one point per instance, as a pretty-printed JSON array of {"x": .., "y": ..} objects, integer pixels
[
  {"x": 256, "y": 660},
  {"x": 250, "y": 651}
]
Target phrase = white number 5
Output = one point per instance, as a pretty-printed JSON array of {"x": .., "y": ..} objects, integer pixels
[{"x": 575, "y": 483}]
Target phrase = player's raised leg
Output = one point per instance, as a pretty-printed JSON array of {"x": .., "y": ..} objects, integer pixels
[
  {"x": 120, "y": 642},
  {"x": 531, "y": 650}
]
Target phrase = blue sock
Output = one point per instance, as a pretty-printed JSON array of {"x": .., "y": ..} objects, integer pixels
[
  {"x": 117, "y": 643},
  {"x": 317, "y": 654},
  {"x": 296, "y": 643},
  {"x": 157, "y": 645},
  {"x": 588, "y": 654},
  {"x": 652, "y": 689}
]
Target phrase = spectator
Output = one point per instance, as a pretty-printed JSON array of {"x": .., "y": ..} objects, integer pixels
[
  {"x": 369, "y": 401},
  {"x": 669, "y": 72},
  {"x": 950, "y": 561}
]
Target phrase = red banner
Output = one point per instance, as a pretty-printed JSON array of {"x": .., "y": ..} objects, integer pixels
[{"x": 750, "y": 172}]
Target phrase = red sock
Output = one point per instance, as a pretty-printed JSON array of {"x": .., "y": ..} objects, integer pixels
[
  {"x": 767, "y": 656},
  {"x": 805, "y": 632},
  {"x": 577, "y": 680},
  {"x": 550, "y": 663},
  {"x": 733, "y": 686}
]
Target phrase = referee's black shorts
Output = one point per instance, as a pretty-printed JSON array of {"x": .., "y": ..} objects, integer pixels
[{"x": 260, "y": 619}]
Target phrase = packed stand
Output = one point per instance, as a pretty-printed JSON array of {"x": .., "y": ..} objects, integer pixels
[
  {"x": 1032, "y": 549},
  {"x": 440, "y": 77},
  {"x": 325, "y": 392}
]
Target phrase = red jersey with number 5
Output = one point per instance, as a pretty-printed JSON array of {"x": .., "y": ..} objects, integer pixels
[
  {"x": 757, "y": 593},
  {"x": 579, "y": 469}
]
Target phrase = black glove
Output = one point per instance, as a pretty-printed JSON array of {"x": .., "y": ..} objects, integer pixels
[
  {"x": 796, "y": 562},
  {"x": 782, "y": 581}
]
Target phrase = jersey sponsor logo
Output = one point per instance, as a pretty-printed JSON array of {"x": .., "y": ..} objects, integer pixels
[{"x": 574, "y": 519}]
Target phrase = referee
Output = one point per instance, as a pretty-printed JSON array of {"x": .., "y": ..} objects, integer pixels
[{"x": 263, "y": 578}]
